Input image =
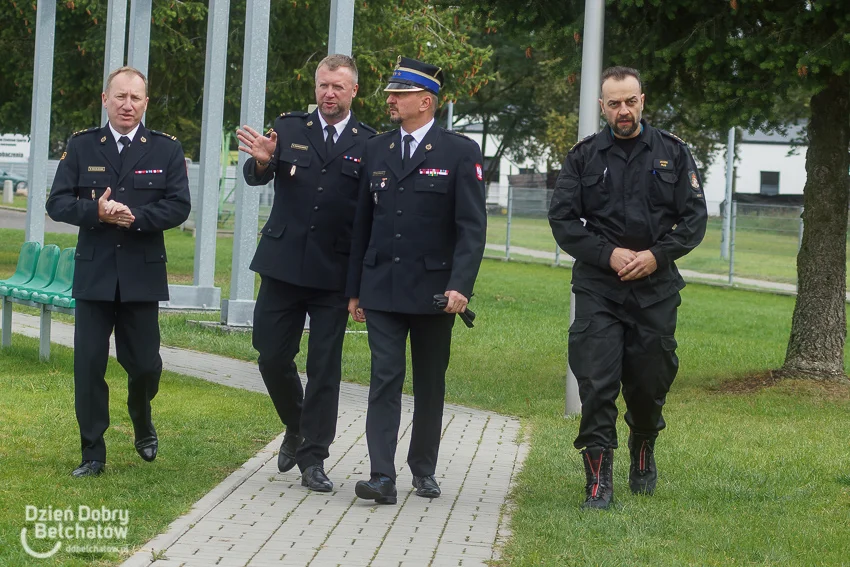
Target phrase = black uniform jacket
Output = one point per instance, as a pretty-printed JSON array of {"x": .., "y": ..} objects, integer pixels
[
  {"x": 651, "y": 201},
  {"x": 420, "y": 230},
  {"x": 152, "y": 181},
  {"x": 307, "y": 239}
]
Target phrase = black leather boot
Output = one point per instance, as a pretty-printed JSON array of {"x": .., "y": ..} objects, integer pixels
[
  {"x": 599, "y": 470},
  {"x": 642, "y": 472}
]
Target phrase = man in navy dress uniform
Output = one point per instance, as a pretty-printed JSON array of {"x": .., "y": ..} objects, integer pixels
[
  {"x": 123, "y": 185},
  {"x": 302, "y": 259},
  {"x": 419, "y": 232}
]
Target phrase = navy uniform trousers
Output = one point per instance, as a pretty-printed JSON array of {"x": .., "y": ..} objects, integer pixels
[
  {"x": 430, "y": 349},
  {"x": 279, "y": 317}
]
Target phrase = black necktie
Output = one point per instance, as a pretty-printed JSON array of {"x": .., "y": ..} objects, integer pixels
[
  {"x": 126, "y": 141},
  {"x": 406, "y": 155},
  {"x": 329, "y": 141}
]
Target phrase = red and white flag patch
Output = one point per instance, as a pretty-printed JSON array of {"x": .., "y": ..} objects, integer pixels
[{"x": 479, "y": 172}]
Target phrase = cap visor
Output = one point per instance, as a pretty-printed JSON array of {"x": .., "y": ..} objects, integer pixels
[{"x": 401, "y": 87}]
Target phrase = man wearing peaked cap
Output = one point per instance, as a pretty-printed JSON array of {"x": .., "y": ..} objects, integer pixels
[
  {"x": 419, "y": 232},
  {"x": 123, "y": 185},
  {"x": 302, "y": 259}
]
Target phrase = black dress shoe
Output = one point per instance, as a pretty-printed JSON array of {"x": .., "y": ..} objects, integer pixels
[
  {"x": 89, "y": 468},
  {"x": 379, "y": 488},
  {"x": 426, "y": 486},
  {"x": 286, "y": 456},
  {"x": 147, "y": 448},
  {"x": 314, "y": 478}
]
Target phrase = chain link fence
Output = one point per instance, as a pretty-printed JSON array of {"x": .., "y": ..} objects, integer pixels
[{"x": 763, "y": 241}]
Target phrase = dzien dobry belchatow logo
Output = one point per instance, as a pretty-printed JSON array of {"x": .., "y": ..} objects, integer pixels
[{"x": 84, "y": 529}]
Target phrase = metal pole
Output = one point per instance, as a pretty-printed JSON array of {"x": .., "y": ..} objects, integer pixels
[
  {"x": 557, "y": 255},
  {"x": 588, "y": 123},
  {"x": 800, "y": 238},
  {"x": 203, "y": 294},
  {"x": 730, "y": 176},
  {"x": 113, "y": 53},
  {"x": 508, "y": 227},
  {"x": 138, "y": 46},
  {"x": 734, "y": 222},
  {"x": 239, "y": 309},
  {"x": 42, "y": 90},
  {"x": 341, "y": 27},
  {"x": 450, "y": 115}
]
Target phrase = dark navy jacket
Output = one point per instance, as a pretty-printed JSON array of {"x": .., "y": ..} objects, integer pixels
[{"x": 307, "y": 239}]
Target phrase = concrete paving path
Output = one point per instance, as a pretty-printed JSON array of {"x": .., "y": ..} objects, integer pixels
[{"x": 261, "y": 517}]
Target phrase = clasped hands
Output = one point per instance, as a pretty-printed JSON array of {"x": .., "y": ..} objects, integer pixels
[
  {"x": 113, "y": 212},
  {"x": 631, "y": 265}
]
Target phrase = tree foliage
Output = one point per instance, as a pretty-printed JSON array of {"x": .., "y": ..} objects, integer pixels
[
  {"x": 742, "y": 63},
  {"x": 298, "y": 39}
]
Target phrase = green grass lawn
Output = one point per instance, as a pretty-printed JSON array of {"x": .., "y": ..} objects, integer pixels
[
  {"x": 206, "y": 431},
  {"x": 747, "y": 476}
]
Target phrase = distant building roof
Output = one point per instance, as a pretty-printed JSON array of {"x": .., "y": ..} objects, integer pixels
[{"x": 794, "y": 133}]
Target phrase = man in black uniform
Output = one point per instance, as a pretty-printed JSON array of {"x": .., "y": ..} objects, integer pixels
[
  {"x": 303, "y": 260},
  {"x": 639, "y": 192},
  {"x": 123, "y": 185},
  {"x": 419, "y": 231}
]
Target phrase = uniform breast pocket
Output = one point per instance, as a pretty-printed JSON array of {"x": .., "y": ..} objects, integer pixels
[
  {"x": 92, "y": 185},
  {"x": 431, "y": 195},
  {"x": 594, "y": 191},
  {"x": 350, "y": 177},
  {"x": 293, "y": 163},
  {"x": 149, "y": 181},
  {"x": 663, "y": 187},
  {"x": 378, "y": 191}
]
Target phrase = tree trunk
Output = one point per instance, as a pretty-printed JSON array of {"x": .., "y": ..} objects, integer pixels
[{"x": 819, "y": 327}]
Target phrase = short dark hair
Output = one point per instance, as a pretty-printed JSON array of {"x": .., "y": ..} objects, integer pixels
[
  {"x": 336, "y": 60},
  {"x": 620, "y": 73}
]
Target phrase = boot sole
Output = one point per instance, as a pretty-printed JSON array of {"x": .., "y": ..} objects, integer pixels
[{"x": 642, "y": 488}]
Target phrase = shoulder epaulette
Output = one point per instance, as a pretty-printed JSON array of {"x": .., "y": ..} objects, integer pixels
[
  {"x": 294, "y": 114},
  {"x": 583, "y": 140},
  {"x": 386, "y": 132},
  {"x": 169, "y": 136},
  {"x": 456, "y": 133},
  {"x": 671, "y": 135},
  {"x": 86, "y": 131},
  {"x": 368, "y": 128}
]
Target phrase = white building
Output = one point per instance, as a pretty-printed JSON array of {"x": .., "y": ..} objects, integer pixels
[{"x": 767, "y": 164}]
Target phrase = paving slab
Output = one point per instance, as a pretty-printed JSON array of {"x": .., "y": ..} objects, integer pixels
[{"x": 260, "y": 517}]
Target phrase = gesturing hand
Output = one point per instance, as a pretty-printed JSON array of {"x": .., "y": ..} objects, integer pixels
[{"x": 258, "y": 146}]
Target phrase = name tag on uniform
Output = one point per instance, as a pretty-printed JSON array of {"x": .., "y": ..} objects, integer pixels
[
  {"x": 378, "y": 173},
  {"x": 662, "y": 164},
  {"x": 299, "y": 147},
  {"x": 95, "y": 168}
]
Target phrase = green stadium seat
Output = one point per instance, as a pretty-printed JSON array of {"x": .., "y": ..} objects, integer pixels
[
  {"x": 25, "y": 269},
  {"x": 62, "y": 283},
  {"x": 45, "y": 271},
  {"x": 65, "y": 301}
]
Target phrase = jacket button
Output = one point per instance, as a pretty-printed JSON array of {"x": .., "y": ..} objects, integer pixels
[
  {"x": 162, "y": 257},
  {"x": 120, "y": 189},
  {"x": 397, "y": 236},
  {"x": 269, "y": 230},
  {"x": 432, "y": 185},
  {"x": 320, "y": 189},
  {"x": 118, "y": 246},
  {"x": 313, "y": 227},
  {"x": 401, "y": 189},
  {"x": 316, "y": 208},
  {"x": 444, "y": 263},
  {"x": 396, "y": 259},
  {"x": 324, "y": 170},
  {"x": 398, "y": 212}
]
